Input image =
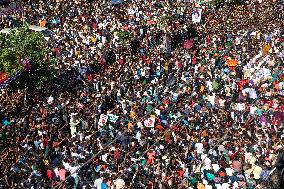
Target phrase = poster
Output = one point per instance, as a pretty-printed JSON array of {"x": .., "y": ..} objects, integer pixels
[
  {"x": 150, "y": 122},
  {"x": 196, "y": 15},
  {"x": 112, "y": 118},
  {"x": 102, "y": 120}
]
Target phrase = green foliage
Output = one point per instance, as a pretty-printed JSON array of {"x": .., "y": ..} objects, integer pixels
[
  {"x": 123, "y": 36},
  {"x": 23, "y": 43},
  {"x": 164, "y": 20},
  {"x": 8, "y": 62}
]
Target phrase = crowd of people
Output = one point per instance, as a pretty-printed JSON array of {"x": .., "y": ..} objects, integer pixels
[{"x": 145, "y": 98}]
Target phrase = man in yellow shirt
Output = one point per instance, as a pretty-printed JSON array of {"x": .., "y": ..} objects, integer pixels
[
  {"x": 93, "y": 39},
  {"x": 265, "y": 49},
  {"x": 42, "y": 22}
]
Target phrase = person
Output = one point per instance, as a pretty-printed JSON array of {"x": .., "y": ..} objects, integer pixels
[
  {"x": 98, "y": 183},
  {"x": 132, "y": 108}
]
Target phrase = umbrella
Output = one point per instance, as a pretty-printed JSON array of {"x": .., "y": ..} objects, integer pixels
[
  {"x": 164, "y": 122},
  {"x": 225, "y": 57},
  {"x": 232, "y": 62},
  {"x": 198, "y": 107},
  {"x": 188, "y": 44},
  {"x": 116, "y": 2},
  {"x": 151, "y": 22}
]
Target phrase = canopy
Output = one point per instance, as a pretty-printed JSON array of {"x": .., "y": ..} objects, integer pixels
[{"x": 36, "y": 28}]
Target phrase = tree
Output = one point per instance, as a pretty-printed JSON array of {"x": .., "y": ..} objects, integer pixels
[
  {"x": 123, "y": 37},
  {"x": 8, "y": 62},
  {"x": 25, "y": 44}
]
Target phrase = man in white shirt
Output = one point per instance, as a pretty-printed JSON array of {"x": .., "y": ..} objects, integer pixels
[
  {"x": 98, "y": 183},
  {"x": 119, "y": 183},
  {"x": 199, "y": 148},
  {"x": 229, "y": 171}
]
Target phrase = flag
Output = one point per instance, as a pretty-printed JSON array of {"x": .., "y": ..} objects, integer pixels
[
  {"x": 150, "y": 122},
  {"x": 112, "y": 118},
  {"x": 102, "y": 120}
]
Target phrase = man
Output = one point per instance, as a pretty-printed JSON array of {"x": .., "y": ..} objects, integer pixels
[{"x": 98, "y": 183}]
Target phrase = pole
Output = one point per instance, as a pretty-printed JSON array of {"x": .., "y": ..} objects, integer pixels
[
  {"x": 25, "y": 99},
  {"x": 23, "y": 12}
]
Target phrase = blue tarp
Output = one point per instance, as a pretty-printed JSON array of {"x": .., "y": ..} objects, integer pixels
[{"x": 116, "y": 2}]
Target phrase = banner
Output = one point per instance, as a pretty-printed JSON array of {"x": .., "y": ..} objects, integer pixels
[
  {"x": 112, "y": 118},
  {"x": 196, "y": 15},
  {"x": 4, "y": 81},
  {"x": 102, "y": 120},
  {"x": 150, "y": 122},
  {"x": 3, "y": 77}
]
